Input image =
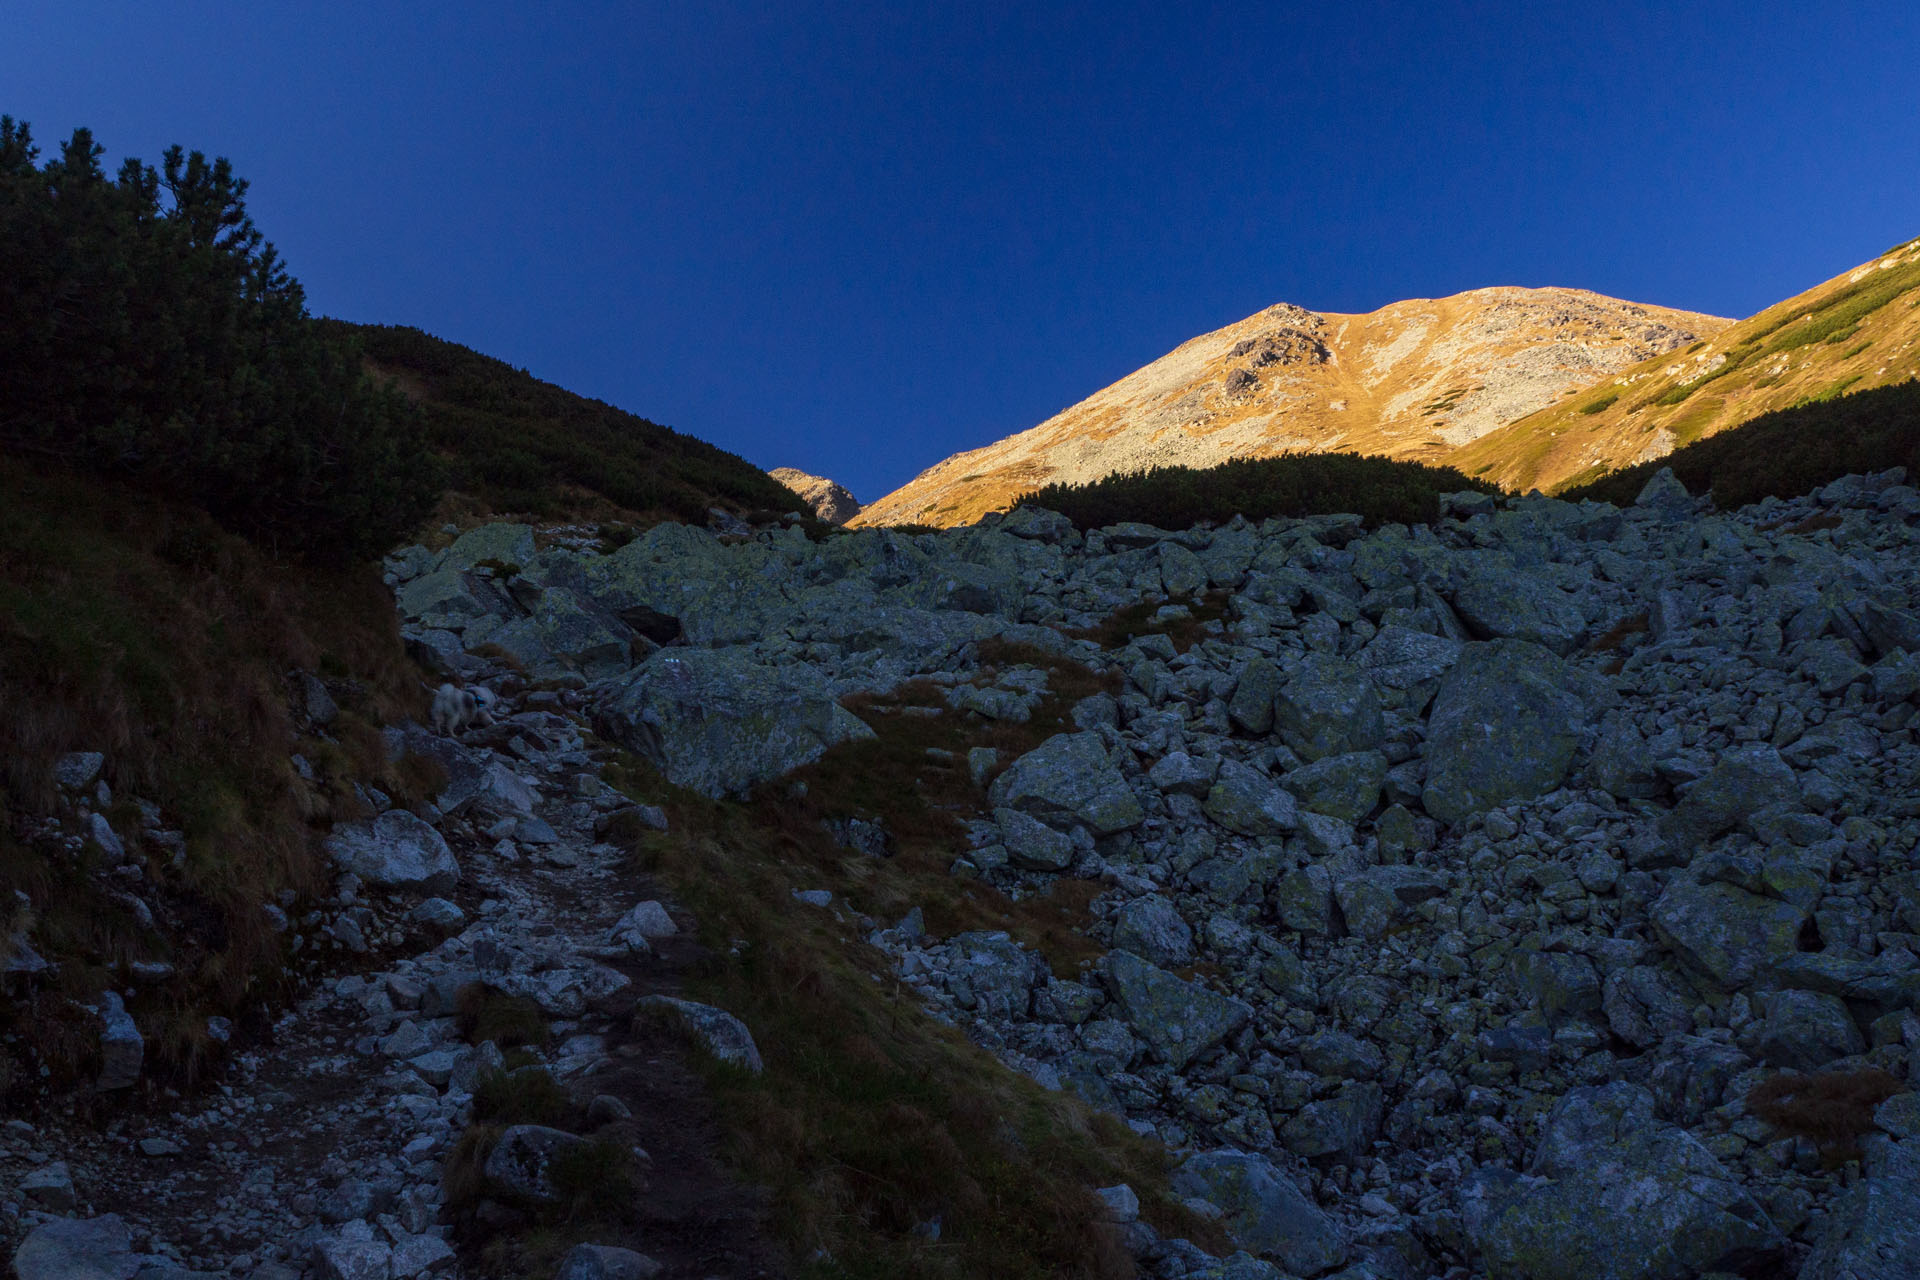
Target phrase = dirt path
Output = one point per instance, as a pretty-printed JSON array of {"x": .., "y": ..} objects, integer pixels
[{"x": 320, "y": 1151}]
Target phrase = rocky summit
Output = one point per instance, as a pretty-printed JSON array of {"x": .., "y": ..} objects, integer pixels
[
  {"x": 1416, "y": 380},
  {"x": 1457, "y": 885},
  {"x": 829, "y": 499}
]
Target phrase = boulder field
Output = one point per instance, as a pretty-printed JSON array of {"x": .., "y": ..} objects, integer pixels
[{"x": 1459, "y": 881}]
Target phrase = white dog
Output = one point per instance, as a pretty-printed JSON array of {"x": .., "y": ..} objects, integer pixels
[{"x": 455, "y": 709}]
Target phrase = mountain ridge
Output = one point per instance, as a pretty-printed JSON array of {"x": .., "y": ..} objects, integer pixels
[
  {"x": 1855, "y": 331},
  {"x": 1415, "y": 379}
]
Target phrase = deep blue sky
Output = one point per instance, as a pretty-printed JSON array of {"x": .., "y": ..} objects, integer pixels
[{"x": 855, "y": 239}]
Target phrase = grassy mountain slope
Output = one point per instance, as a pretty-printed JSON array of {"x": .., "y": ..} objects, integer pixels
[
  {"x": 136, "y": 627},
  {"x": 513, "y": 443},
  {"x": 1785, "y": 453},
  {"x": 1413, "y": 380},
  {"x": 1853, "y": 332}
]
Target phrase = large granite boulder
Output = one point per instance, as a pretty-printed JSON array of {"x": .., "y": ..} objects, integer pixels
[
  {"x": 77, "y": 1249},
  {"x": 717, "y": 1031},
  {"x": 1399, "y": 657},
  {"x": 1180, "y": 1021},
  {"x": 1725, "y": 935},
  {"x": 1615, "y": 1194},
  {"x": 396, "y": 851},
  {"x": 1263, "y": 1210},
  {"x": 718, "y": 722},
  {"x": 1505, "y": 725},
  {"x": 509, "y": 546},
  {"x": 1247, "y": 801},
  {"x": 1742, "y": 782},
  {"x": 1153, "y": 927},
  {"x": 1874, "y": 1230},
  {"x": 1506, "y": 604},
  {"x": 1327, "y": 707},
  {"x": 1069, "y": 781},
  {"x": 1344, "y": 786}
]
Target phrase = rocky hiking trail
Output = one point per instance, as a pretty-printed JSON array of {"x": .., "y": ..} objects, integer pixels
[{"x": 320, "y": 1150}]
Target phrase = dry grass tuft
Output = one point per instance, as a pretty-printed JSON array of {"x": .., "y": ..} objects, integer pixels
[
  {"x": 487, "y": 1013},
  {"x": 142, "y": 630},
  {"x": 1833, "y": 1110}
]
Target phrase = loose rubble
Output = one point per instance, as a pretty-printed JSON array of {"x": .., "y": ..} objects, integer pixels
[
  {"x": 1460, "y": 875},
  {"x": 1457, "y": 882}
]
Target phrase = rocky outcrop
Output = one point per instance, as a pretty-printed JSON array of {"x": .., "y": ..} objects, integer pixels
[{"x": 829, "y": 500}]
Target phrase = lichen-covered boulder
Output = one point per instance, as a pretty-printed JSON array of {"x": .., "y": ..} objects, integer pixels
[
  {"x": 1804, "y": 1030},
  {"x": 1344, "y": 786},
  {"x": 1745, "y": 780},
  {"x": 1069, "y": 781},
  {"x": 1723, "y": 934},
  {"x": 1153, "y": 927},
  {"x": 506, "y": 545},
  {"x": 1505, "y": 725},
  {"x": 1180, "y": 1021},
  {"x": 396, "y": 850},
  {"x": 1251, "y": 707},
  {"x": 717, "y": 1031},
  {"x": 1263, "y": 1210},
  {"x": 718, "y": 722},
  {"x": 77, "y": 1249},
  {"x": 1399, "y": 657},
  {"x": 1615, "y": 1194},
  {"x": 1247, "y": 801},
  {"x": 1507, "y": 604},
  {"x": 1874, "y": 1230},
  {"x": 1328, "y": 706}
]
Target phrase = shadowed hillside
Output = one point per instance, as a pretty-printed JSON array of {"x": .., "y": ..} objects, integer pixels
[{"x": 513, "y": 443}]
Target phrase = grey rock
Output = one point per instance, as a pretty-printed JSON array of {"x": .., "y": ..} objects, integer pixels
[
  {"x": 606, "y": 1262},
  {"x": 1666, "y": 497},
  {"x": 395, "y": 850},
  {"x": 718, "y": 722},
  {"x": 1263, "y": 1210},
  {"x": 1251, "y": 707},
  {"x": 421, "y": 1255},
  {"x": 1180, "y": 1021},
  {"x": 1341, "y": 1125},
  {"x": 1344, "y": 786},
  {"x": 103, "y": 835},
  {"x": 1069, "y": 780},
  {"x": 1805, "y": 1030},
  {"x": 1499, "y": 604},
  {"x": 1873, "y": 1233},
  {"x": 77, "y": 1249},
  {"x": 1032, "y": 844},
  {"x": 1401, "y": 658},
  {"x": 49, "y": 1187},
  {"x": 1505, "y": 725},
  {"x": 121, "y": 1048},
  {"x": 1744, "y": 781},
  {"x": 1152, "y": 927},
  {"x": 1724, "y": 935},
  {"x": 1622, "y": 1196},
  {"x": 77, "y": 770},
  {"x": 520, "y": 1166},
  {"x": 1621, "y": 763},
  {"x": 1328, "y": 707},
  {"x": 508, "y": 545},
  {"x": 1247, "y": 801},
  {"x": 718, "y": 1032},
  {"x": 1181, "y": 773},
  {"x": 992, "y": 974}
]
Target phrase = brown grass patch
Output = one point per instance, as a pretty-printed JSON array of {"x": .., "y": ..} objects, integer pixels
[
  {"x": 871, "y": 1120},
  {"x": 1613, "y": 638},
  {"x": 142, "y": 630},
  {"x": 1133, "y": 620},
  {"x": 1833, "y": 1110}
]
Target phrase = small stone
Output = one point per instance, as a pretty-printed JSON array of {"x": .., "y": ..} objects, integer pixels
[
  {"x": 49, "y": 1187},
  {"x": 606, "y": 1262}
]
